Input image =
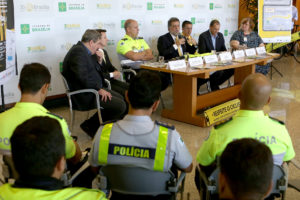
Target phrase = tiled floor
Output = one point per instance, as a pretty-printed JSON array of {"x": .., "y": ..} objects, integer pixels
[{"x": 285, "y": 105}]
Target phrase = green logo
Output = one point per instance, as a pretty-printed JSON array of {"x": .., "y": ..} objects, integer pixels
[
  {"x": 25, "y": 29},
  {"x": 60, "y": 66},
  {"x": 149, "y": 6},
  {"x": 62, "y": 6},
  {"x": 226, "y": 32},
  {"x": 211, "y": 6},
  {"x": 122, "y": 23},
  {"x": 193, "y": 20}
]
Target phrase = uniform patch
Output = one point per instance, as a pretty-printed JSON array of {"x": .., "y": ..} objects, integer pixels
[
  {"x": 55, "y": 115},
  {"x": 131, "y": 151},
  {"x": 122, "y": 43},
  {"x": 172, "y": 127}
]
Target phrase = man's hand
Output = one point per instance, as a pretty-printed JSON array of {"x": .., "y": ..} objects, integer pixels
[
  {"x": 100, "y": 55},
  {"x": 104, "y": 95},
  {"x": 116, "y": 74},
  {"x": 193, "y": 41},
  {"x": 180, "y": 41}
]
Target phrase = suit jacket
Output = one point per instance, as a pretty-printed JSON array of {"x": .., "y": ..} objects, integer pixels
[
  {"x": 205, "y": 44},
  {"x": 79, "y": 69},
  {"x": 165, "y": 47},
  {"x": 105, "y": 67}
]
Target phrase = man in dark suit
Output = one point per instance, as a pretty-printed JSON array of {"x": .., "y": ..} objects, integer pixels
[
  {"x": 171, "y": 45},
  {"x": 213, "y": 40},
  {"x": 79, "y": 69},
  {"x": 105, "y": 67},
  {"x": 190, "y": 42}
]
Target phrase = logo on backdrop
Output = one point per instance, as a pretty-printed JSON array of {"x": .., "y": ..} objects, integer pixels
[
  {"x": 63, "y": 7},
  {"x": 130, "y": 6},
  {"x": 104, "y": 25},
  {"x": 104, "y": 6},
  {"x": 72, "y": 26},
  {"x": 27, "y": 28},
  {"x": 66, "y": 47},
  {"x": 36, "y": 49},
  {"x": 155, "y": 6},
  {"x": 231, "y": 5},
  {"x": 156, "y": 22},
  {"x": 176, "y": 5},
  {"x": 195, "y": 20},
  {"x": 197, "y": 6},
  {"x": 213, "y": 6},
  {"x": 30, "y": 7}
]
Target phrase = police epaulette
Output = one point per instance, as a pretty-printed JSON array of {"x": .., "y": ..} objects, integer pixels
[
  {"x": 172, "y": 127},
  {"x": 280, "y": 122},
  {"x": 140, "y": 38},
  {"x": 218, "y": 125},
  {"x": 55, "y": 115},
  {"x": 124, "y": 39}
]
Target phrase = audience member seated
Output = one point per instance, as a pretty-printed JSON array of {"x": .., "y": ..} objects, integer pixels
[
  {"x": 34, "y": 84},
  {"x": 105, "y": 67},
  {"x": 137, "y": 131},
  {"x": 213, "y": 40},
  {"x": 38, "y": 152},
  {"x": 190, "y": 42},
  {"x": 80, "y": 71},
  {"x": 249, "y": 122},
  {"x": 246, "y": 167},
  {"x": 171, "y": 45},
  {"x": 245, "y": 37}
]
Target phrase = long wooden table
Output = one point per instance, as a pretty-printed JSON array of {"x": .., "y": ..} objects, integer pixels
[{"x": 186, "y": 103}]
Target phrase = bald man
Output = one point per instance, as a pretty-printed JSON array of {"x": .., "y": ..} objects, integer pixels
[{"x": 249, "y": 122}]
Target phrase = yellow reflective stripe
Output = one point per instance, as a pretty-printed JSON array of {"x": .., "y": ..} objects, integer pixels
[
  {"x": 161, "y": 147},
  {"x": 104, "y": 143}
]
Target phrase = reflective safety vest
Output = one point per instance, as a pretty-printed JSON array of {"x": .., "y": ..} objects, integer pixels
[
  {"x": 7, "y": 192},
  {"x": 160, "y": 150}
]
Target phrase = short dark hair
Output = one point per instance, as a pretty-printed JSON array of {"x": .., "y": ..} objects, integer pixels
[
  {"x": 33, "y": 76},
  {"x": 247, "y": 165},
  {"x": 185, "y": 23},
  {"x": 36, "y": 146},
  {"x": 90, "y": 34},
  {"x": 213, "y": 22},
  {"x": 101, "y": 31},
  {"x": 171, "y": 20},
  {"x": 144, "y": 90}
]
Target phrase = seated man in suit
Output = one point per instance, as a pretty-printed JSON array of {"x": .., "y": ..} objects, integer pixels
[
  {"x": 79, "y": 69},
  {"x": 137, "y": 140},
  {"x": 249, "y": 122},
  {"x": 190, "y": 42},
  {"x": 171, "y": 45},
  {"x": 38, "y": 153},
  {"x": 105, "y": 67},
  {"x": 213, "y": 40},
  {"x": 246, "y": 167}
]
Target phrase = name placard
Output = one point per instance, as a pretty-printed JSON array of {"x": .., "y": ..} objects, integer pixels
[
  {"x": 195, "y": 61},
  {"x": 177, "y": 64},
  {"x": 211, "y": 59},
  {"x": 250, "y": 52},
  {"x": 226, "y": 56},
  {"x": 261, "y": 50},
  {"x": 239, "y": 54}
]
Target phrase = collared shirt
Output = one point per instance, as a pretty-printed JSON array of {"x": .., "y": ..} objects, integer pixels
[
  {"x": 23, "y": 111},
  {"x": 175, "y": 45},
  {"x": 140, "y": 131},
  {"x": 213, "y": 39},
  {"x": 89, "y": 52},
  {"x": 248, "y": 124}
]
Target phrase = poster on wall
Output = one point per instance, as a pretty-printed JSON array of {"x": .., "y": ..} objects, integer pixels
[
  {"x": 7, "y": 41},
  {"x": 275, "y": 20}
]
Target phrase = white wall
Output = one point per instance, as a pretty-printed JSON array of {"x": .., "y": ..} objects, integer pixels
[{"x": 46, "y": 29}]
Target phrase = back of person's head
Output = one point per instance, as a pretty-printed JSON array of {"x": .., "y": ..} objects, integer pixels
[
  {"x": 255, "y": 92},
  {"x": 213, "y": 22},
  {"x": 171, "y": 20},
  {"x": 90, "y": 35},
  {"x": 184, "y": 23},
  {"x": 33, "y": 76},
  {"x": 37, "y": 145},
  {"x": 247, "y": 165},
  {"x": 144, "y": 90}
]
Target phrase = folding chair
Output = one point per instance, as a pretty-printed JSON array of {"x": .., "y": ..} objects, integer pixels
[
  {"x": 130, "y": 180},
  {"x": 69, "y": 94}
]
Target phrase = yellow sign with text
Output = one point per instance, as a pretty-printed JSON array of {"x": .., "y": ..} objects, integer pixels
[{"x": 221, "y": 112}]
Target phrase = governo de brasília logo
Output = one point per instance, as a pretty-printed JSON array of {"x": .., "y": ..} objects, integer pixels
[
  {"x": 25, "y": 29},
  {"x": 62, "y": 6}
]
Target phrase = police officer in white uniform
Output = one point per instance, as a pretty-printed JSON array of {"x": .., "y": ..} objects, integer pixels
[{"x": 137, "y": 140}]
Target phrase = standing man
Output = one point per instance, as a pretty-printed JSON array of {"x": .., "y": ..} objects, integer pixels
[
  {"x": 133, "y": 48},
  {"x": 151, "y": 141},
  {"x": 79, "y": 69},
  {"x": 105, "y": 67},
  {"x": 213, "y": 40},
  {"x": 38, "y": 153},
  {"x": 190, "y": 42}
]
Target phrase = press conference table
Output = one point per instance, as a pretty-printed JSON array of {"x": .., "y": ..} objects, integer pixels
[{"x": 186, "y": 103}]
